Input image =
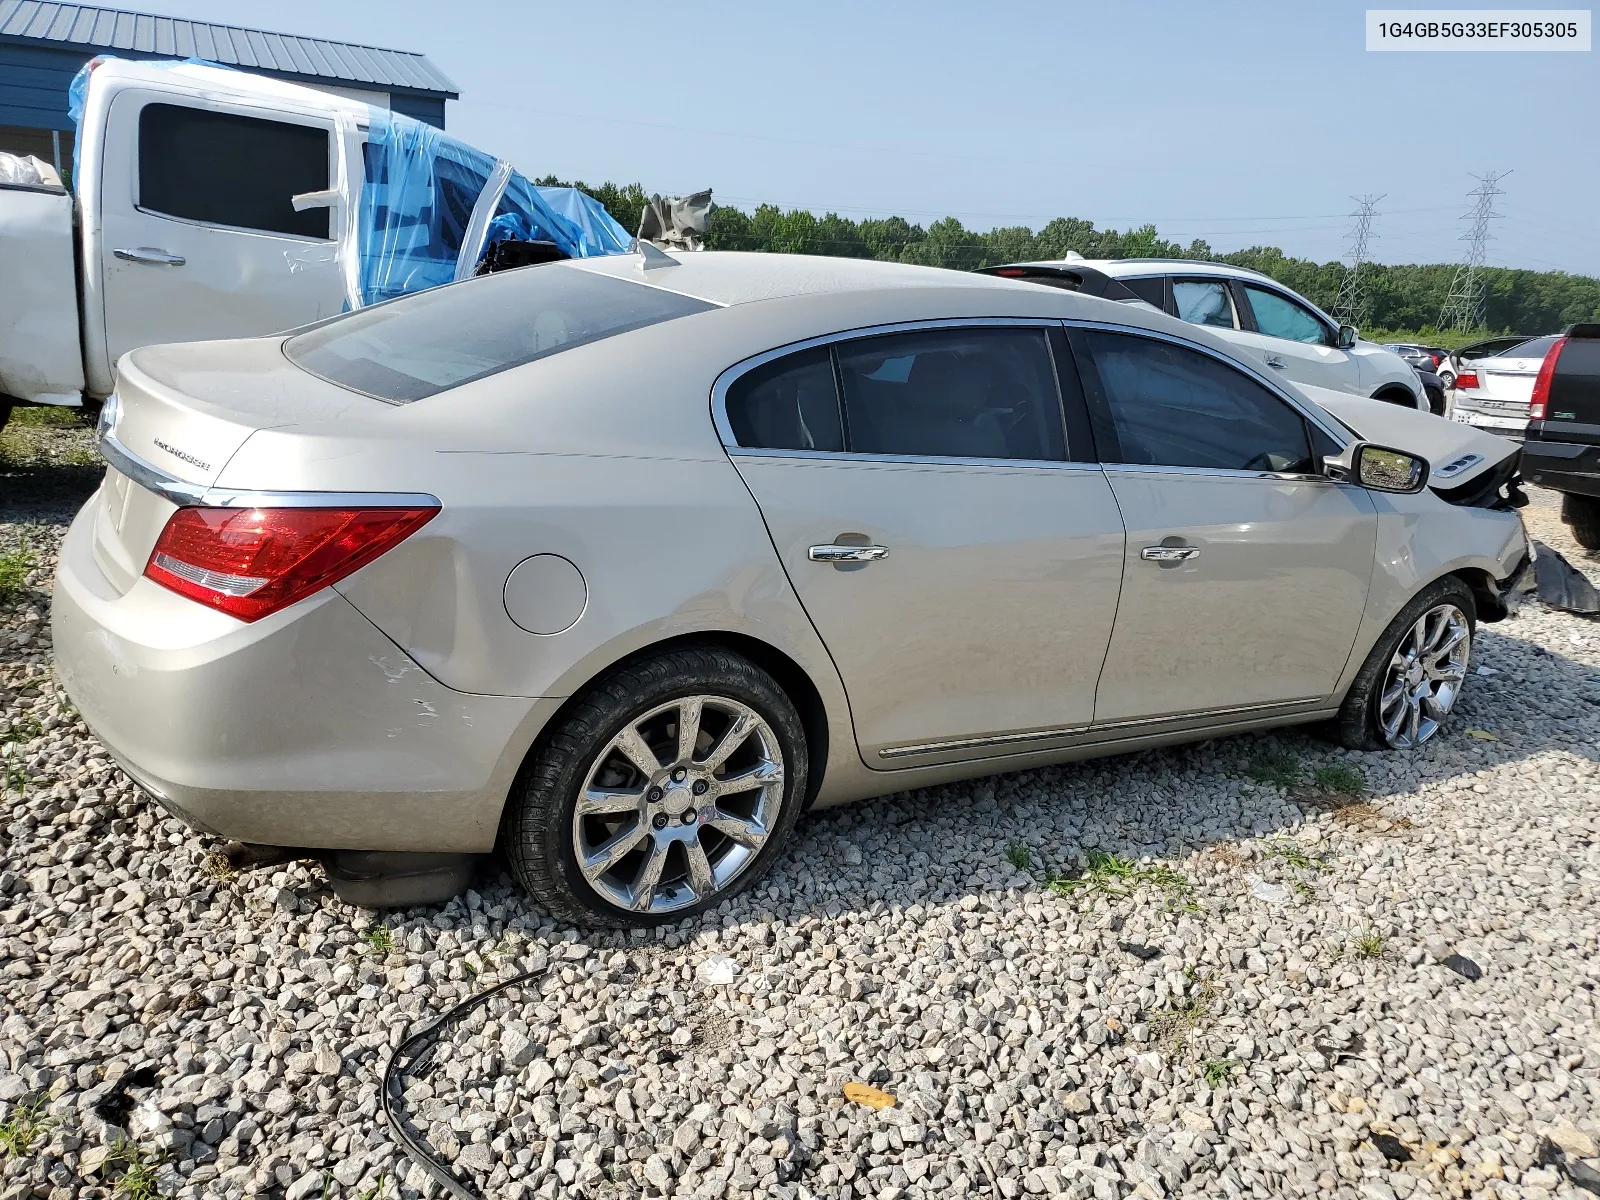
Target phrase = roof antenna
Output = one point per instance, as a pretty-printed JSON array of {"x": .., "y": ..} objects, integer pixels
[
  {"x": 1073, "y": 256},
  {"x": 650, "y": 257}
]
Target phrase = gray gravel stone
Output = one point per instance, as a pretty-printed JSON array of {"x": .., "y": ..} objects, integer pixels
[{"x": 1313, "y": 1046}]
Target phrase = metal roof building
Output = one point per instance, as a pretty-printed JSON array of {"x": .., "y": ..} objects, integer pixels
[{"x": 43, "y": 44}]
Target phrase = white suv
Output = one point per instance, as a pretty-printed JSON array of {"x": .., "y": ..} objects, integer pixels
[{"x": 1280, "y": 329}]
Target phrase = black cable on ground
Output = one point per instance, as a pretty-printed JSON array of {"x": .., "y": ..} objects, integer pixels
[{"x": 416, "y": 1149}]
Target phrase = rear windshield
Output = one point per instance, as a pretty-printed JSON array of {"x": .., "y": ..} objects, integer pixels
[
  {"x": 417, "y": 346},
  {"x": 1537, "y": 348}
]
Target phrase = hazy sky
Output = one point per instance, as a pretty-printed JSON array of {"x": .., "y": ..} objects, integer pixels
[{"x": 1242, "y": 124}]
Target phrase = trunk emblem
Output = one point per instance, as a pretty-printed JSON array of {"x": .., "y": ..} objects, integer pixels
[{"x": 182, "y": 454}]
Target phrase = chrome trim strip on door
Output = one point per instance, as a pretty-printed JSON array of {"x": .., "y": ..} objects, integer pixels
[
  {"x": 1206, "y": 713},
  {"x": 1040, "y": 735},
  {"x": 913, "y": 460},
  {"x": 1001, "y": 739},
  {"x": 194, "y": 495}
]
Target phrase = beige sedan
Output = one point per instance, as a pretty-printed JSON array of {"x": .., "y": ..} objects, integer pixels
[{"x": 619, "y": 565}]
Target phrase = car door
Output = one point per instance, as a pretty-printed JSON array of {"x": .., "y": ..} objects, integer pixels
[
  {"x": 960, "y": 560},
  {"x": 1293, "y": 341},
  {"x": 200, "y": 236},
  {"x": 1246, "y": 571}
]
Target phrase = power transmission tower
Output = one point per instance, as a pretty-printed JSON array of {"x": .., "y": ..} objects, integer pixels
[
  {"x": 1350, "y": 308},
  {"x": 1463, "y": 309}
]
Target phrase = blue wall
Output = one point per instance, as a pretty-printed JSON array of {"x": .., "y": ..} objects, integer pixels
[{"x": 34, "y": 80}]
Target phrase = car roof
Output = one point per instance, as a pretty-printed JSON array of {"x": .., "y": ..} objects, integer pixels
[
  {"x": 731, "y": 277},
  {"x": 1132, "y": 268}
]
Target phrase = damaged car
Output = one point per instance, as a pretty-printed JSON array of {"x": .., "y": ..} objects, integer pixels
[{"x": 619, "y": 565}]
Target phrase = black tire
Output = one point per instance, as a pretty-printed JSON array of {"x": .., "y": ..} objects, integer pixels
[
  {"x": 1357, "y": 726},
  {"x": 1582, "y": 515},
  {"x": 5, "y": 415},
  {"x": 536, "y": 832}
]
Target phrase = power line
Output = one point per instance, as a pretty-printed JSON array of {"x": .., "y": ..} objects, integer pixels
[
  {"x": 1351, "y": 306},
  {"x": 1463, "y": 308}
]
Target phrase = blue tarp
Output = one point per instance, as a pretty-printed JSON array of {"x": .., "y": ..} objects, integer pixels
[
  {"x": 424, "y": 189},
  {"x": 431, "y": 205}
]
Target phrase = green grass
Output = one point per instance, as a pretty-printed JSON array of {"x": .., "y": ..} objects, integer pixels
[
  {"x": 1217, "y": 1071},
  {"x": 376, "y": 1190},
  {"x": 1175, "y": 1024},
  {"x": 1294, "y": 855},
  {"x": 1019, "y": 856},
  {"x": 1116, "y": 877},
  {"x": 14, "y": 568},
  {"x": 23, "y": 1128},
  {"x": 1338, "y": 777},
  {"x": 1277, "y": 768},
  {"x": 1370, "y": 945},
  {"x": 23, "y": 729},
  {"x": 45, "y": 416},
  {"x": 138, "y": 1181},
  {"x": 379, "y": 940}
]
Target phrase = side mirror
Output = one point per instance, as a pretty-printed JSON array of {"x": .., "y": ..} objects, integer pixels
[
  {"x": 1380, "y": 468},
  {"x": 1347, "y": 336}
]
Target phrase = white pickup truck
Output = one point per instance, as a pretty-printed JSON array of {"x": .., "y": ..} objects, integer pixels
[{"x": 212, "y": 203}]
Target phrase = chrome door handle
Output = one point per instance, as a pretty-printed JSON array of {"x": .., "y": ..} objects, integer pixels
[
  {"x": 1165, "y": 554},
  {"x": 150, "y": 254},
  {"x": 1274, "y": 361},
  {"x": 847, "y": 554}
]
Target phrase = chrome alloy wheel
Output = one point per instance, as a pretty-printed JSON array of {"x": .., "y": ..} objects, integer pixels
[
  {"x": 678, "y": 804},
  {"x": 1424, "y": 677}
]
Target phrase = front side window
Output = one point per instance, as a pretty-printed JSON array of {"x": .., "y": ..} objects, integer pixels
[
  {"x": 1278, "y": 316},
  {"x": 227, "y": 169},
  {"x": 1175, "y": 407},
  {"x": 788, "y": 404},
  {"x": 427, "y": 343},
  {"x": 963, "y": 393},
  {"x": 1204, "y": 302}
]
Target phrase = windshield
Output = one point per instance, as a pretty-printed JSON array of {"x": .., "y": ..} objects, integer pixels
[
  {"x": 417, "y": 346},
  {"x": 1536, "y": 348}
]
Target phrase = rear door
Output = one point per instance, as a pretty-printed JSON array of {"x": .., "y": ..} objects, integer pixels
[
  {"x": 1293, "y": 341},
  {"x": 1246, "y": 571},
  {"x": 200, "y": 238},
  {"x": 959, "y": 558}
]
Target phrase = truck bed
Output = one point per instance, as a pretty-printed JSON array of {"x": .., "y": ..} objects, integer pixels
[{"x": 41, "y": 356}]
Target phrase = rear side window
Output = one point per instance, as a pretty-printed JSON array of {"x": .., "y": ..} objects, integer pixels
[
  {"x": 1152, "y": 290},
  {"x": 963, "y": 393},
  {"x": 418, "y": 346},
  {"x": 790, "y": 404},
  {"x": 1175, "y": 407},
  {"x": 1204, "y": 302},
  {"x": 225, "y": 169}
]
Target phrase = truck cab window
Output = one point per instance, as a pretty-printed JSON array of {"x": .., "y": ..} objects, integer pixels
[{"x": 227, "y": 169}]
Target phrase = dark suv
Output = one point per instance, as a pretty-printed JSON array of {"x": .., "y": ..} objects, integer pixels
[{"x": 1562, "y": 447}]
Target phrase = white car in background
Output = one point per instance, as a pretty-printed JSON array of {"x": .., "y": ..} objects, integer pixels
[
  {"x": 1493, "y": 393},
  {"x": 1279, "y": 328}
]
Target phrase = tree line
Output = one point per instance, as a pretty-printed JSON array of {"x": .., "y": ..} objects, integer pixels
[{"x": 1400, "y": 297}]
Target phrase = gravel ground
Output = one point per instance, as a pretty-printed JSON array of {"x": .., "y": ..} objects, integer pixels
[{"x": 1266, "y": 968}]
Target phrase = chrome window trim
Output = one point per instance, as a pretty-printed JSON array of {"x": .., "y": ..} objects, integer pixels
[
  {"x": 730, "y": 375},
  {"x": 743, "y": 453},
  {"x": 1224, "y": 473},
  {"x": 1337, "y": 432},
  {"x": 195, "y": 495},
  {"x": 974, "y": 743}
]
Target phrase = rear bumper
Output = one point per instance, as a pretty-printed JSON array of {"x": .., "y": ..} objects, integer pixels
[
  {"x": 1506, "y": 424},
  {"x": 309, "y": 728},
  {"x": 1562, "y": 466}
]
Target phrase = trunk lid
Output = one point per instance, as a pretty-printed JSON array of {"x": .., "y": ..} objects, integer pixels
[{"x": 181, "y": 412}]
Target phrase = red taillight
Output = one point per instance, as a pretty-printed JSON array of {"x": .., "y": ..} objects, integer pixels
[
  {"x": 249, "y": 562},
  {"x": 1541, "y": 384},
  {"x": 1009, "y": 272},
  {"x": 1467, "y": 379}
]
